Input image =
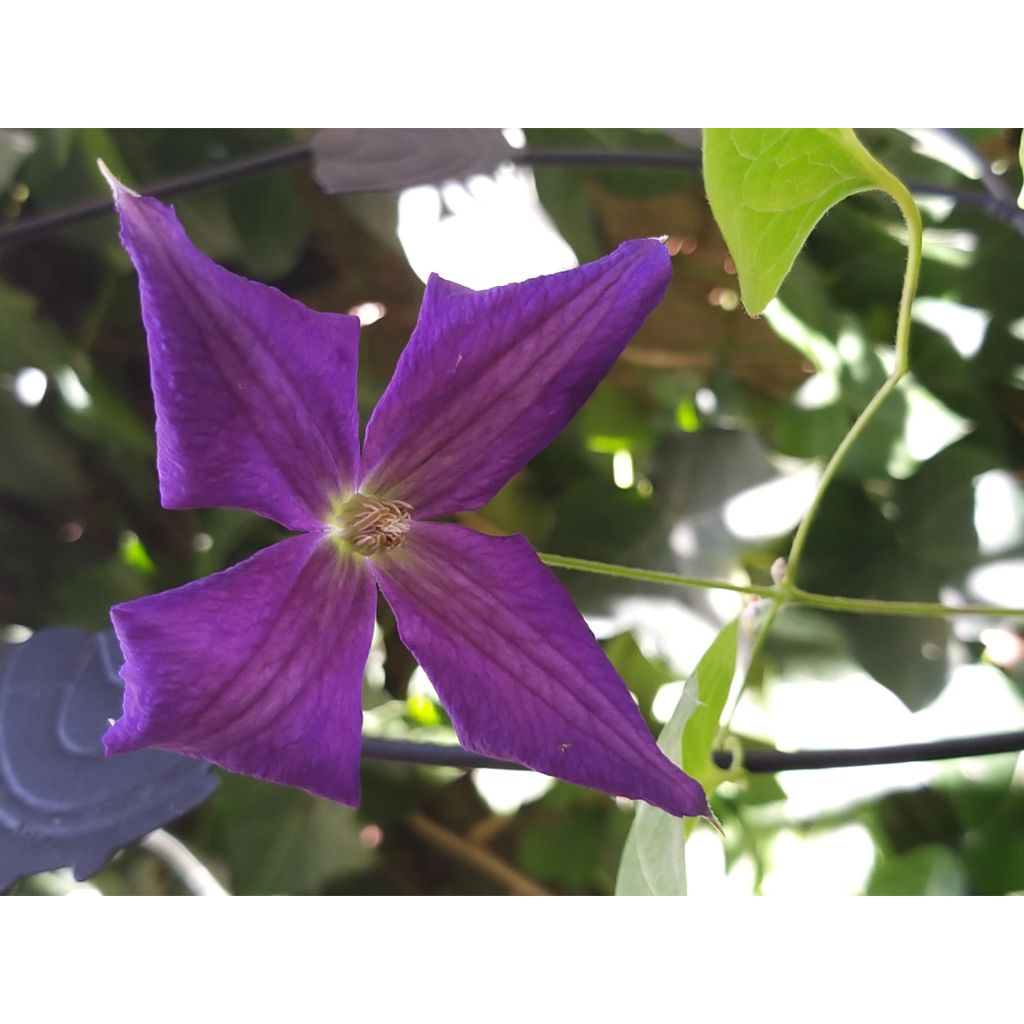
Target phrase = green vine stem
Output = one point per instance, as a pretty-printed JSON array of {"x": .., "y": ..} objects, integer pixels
[
  {"x": 892, "y": 185},
  {"x": 856, "y": 605},
  {"x": 669, "y": 579},
  {"x": 917, "y": 609}
]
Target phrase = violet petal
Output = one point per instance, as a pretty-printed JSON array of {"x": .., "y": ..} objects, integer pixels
[
  {"x": 257, "y": 668},
  {"x": 255, "y": 394},
  {"x": 490, "y": 378},
  {"x": 517, "y": 668}
]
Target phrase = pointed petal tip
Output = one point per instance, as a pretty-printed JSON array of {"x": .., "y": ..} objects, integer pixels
[
  {"x": 116, "y": 185},
  {"x": 711, "y": 818},
  {"x": 120, "y": 738},
  {"x": 676, "y": 793},
  {"x": 657, "y": 245}
]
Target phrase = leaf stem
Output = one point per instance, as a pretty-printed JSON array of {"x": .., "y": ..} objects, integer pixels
[
  {"x": 487, "y": 863},
  {"x": 796, "y": 596},
  {"x": 918, "y": 609},
  {"x": 670, "y": 579},
  {"x": 888, "y": 183}
]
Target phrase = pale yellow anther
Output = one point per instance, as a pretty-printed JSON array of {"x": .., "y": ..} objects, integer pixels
[{"x": 371, "y": 525}]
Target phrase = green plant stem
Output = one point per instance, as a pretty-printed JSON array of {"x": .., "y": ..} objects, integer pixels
[
  {"x": 796, "y": 596},
  {"x": 912, "y": 216},
  {"x": 670, "y": 579},
  {"x": 917, "y": 609}
]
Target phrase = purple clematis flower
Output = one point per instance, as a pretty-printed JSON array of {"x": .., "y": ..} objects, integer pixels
[{"x": 258, "y": 668}]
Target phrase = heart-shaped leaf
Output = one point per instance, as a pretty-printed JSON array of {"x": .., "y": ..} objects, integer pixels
[
  {"x": 387, "y": 159},
  {"x": 62, "y": 802},
  {"x": 768, "y": 187}
]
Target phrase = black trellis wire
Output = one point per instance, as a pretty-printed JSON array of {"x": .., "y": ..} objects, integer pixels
[
  {"x": 757, "y": 761},
  {"x": 79, "y": 213}
]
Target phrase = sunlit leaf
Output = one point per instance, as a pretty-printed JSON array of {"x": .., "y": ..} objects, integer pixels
[
  {"x": 930, "y": 870},
  {"x": 768, "y": 187},
  {"x": 653, "y": 859},
  {"x": 713, "y": 678}
]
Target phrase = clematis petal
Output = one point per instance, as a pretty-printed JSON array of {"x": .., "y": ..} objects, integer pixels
[
  {"x": 517, "y": 668},
  {"x": 255, "y": 394},
  {"x": 257, "y": 668},
  {"x": 490, "y": 378}
]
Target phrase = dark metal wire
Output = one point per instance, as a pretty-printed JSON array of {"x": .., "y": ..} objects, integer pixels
[
  {"x": 755, "y": 761},
  {"x": 607, "y": 158},
  {"x": 90, "y": 209},
  {"x": 80, "y": 213}
]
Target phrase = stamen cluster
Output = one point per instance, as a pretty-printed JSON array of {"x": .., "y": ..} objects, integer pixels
[{"x": 371, "y": 524}]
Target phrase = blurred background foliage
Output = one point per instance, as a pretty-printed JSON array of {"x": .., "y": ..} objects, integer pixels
[{"x": 696, "y": 455}]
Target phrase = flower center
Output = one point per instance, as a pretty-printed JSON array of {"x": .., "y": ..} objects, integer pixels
[{"x": 371, "y": 524}]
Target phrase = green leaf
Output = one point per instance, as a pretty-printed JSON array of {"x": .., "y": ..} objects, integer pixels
[
  {"x": 279, "y": 840},
  {"x": 564, "y": 850},
  {"x": 768, "y": 187},
  {"x": 712, "y": 678},
  {"x": 643, "y": 676},
  {"x": 930, "y": 870},
  {"x": 26, "y": 338},
  {"x": 653, "y": 859}
]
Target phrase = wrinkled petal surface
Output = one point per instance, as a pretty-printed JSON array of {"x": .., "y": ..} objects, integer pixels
[
  {"x": 490, "y": 378},
  {"x": 517, "y": 668},
  {"x": 255, "y": 393},
  {"x": 257, "y": 668}
]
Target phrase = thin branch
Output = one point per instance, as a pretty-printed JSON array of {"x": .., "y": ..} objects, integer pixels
[
  {"x": 758, "y": 761},
  {"x": 481, "y": 860}
]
